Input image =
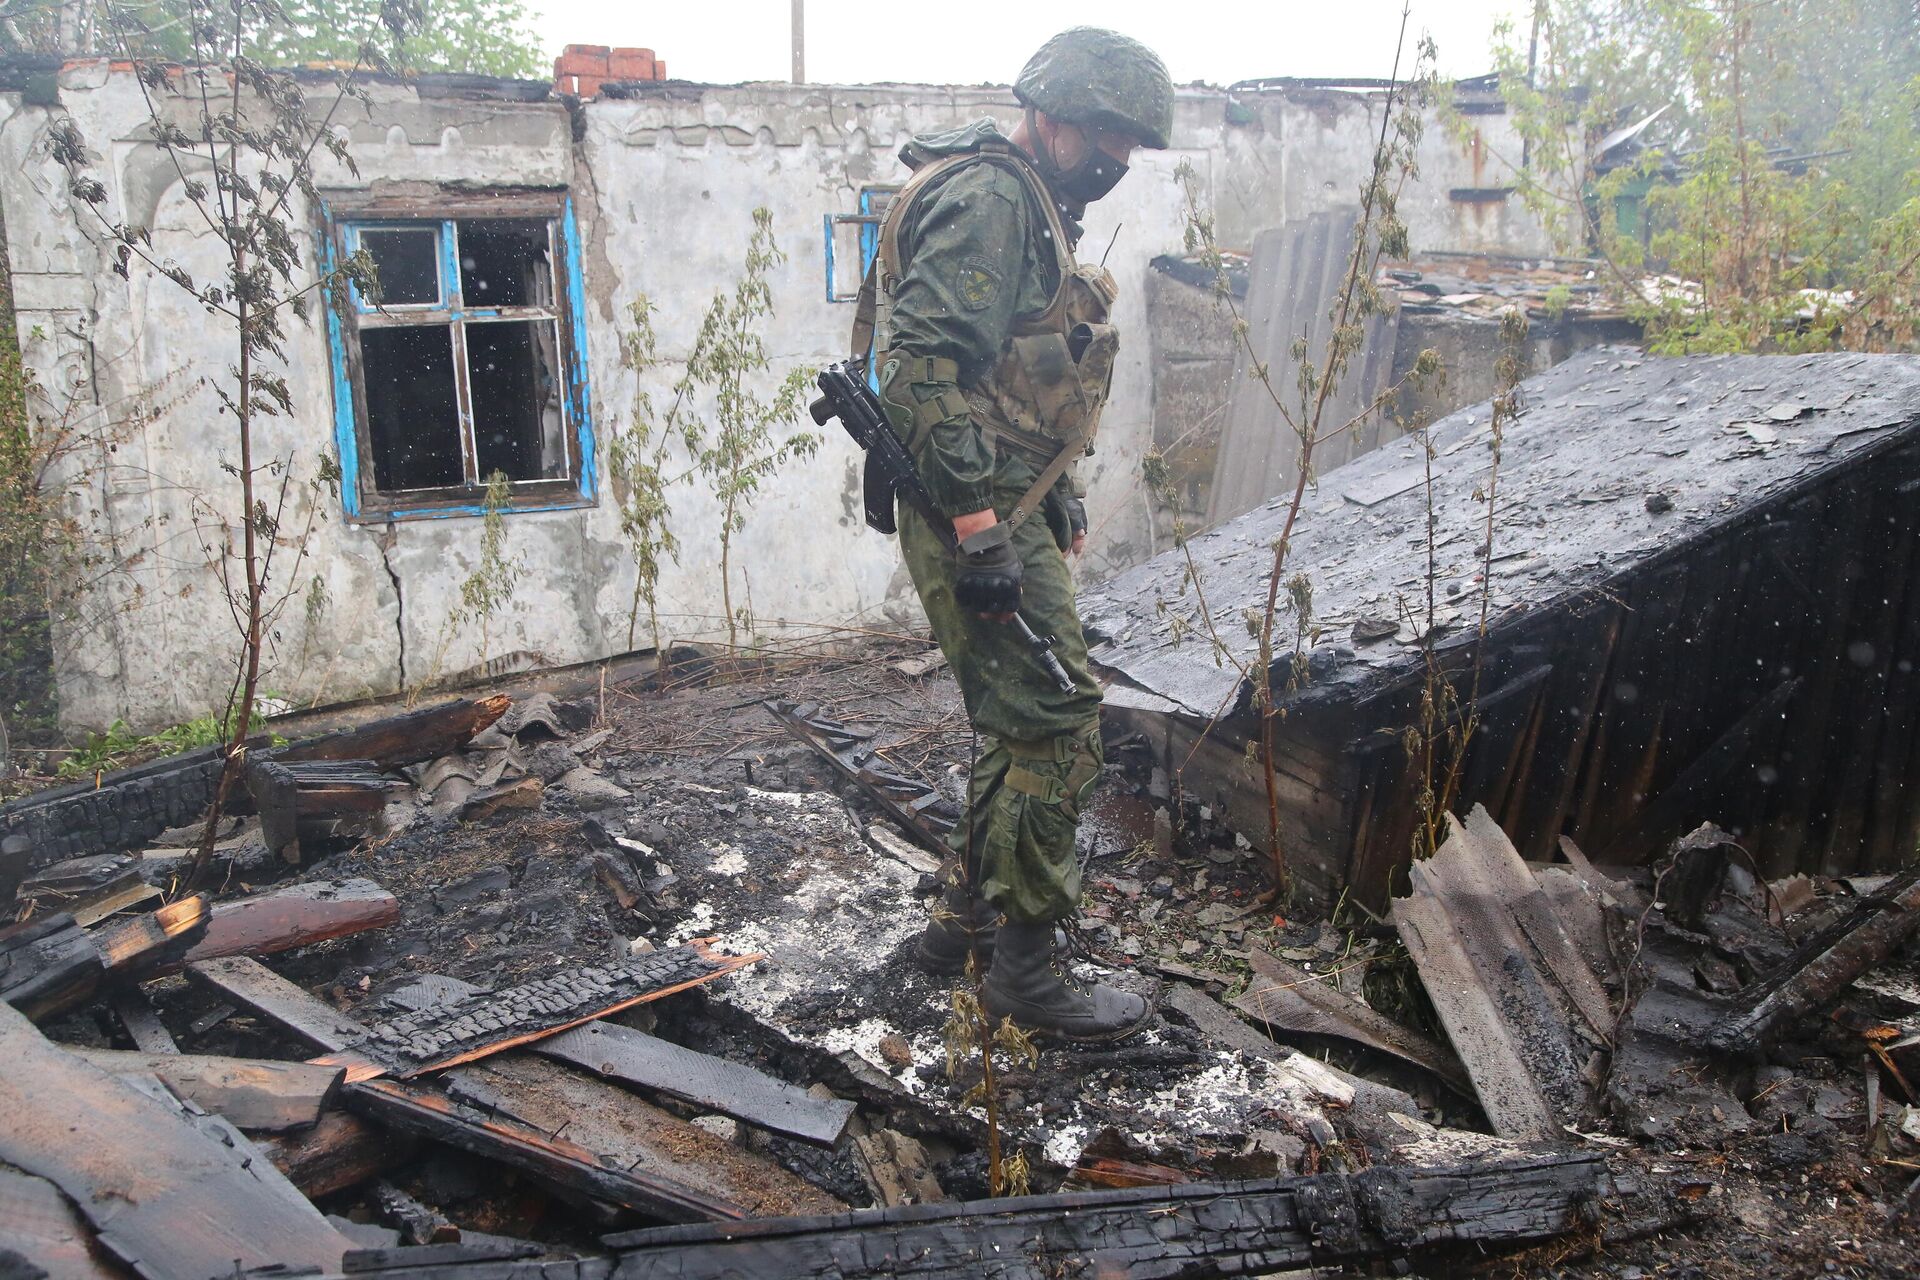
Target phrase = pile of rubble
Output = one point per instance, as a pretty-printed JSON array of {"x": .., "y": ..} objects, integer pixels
[{"x": 527, "y": 988}]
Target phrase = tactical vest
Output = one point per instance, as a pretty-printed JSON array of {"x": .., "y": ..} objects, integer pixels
[{"x": 1043, "y": 399}]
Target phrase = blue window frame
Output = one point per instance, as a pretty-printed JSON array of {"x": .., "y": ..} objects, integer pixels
[
  {"x": 873, "y": 207},
  {"x": 472, "y": 362}
]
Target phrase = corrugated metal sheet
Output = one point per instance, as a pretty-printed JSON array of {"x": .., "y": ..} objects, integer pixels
[{"x": 1298, "y": 273}]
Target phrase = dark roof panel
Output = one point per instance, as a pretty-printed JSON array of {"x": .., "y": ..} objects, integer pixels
[{"x": 1714, "y": 437}]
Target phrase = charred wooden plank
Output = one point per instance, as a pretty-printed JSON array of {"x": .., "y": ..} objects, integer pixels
[
  {"x": 139, "y": 946},
  {"x": 635, "y": 1058},
  {"x": 164, "y": 1195},
  {"x": 918, "y": 807},
  {"x": 341, "y": 1151},
  {"x": 1294, "y": 1000},
  {"x": 416, "y": 1223},
  {"x": 291, "y": 795},
  {"x": 1824, "y": 966},
  {"x": 459, "y": 1258},
  {"x": 49, "y": 966},
  {"x": 404, "y": 739},
  {"x": 248, "y": 982},
  {"x": 631, "y": 1134},
  {"x": 141, "y": 1023},
  {"x": 1194, "y": 1229},
  {"x": 481, "y": 1024},
  {"x": 1506, "y": 1089},
  {"x": 249, "y": 1092},
  {"x": 557, "y": 1161},
  {"x": 41, "y": 1226},
  {"x": 297, "y": 916}
]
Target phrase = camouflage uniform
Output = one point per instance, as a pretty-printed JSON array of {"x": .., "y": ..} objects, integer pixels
[
  {"x": 976, "y": 257},
  {"x": 994, "y": 358}
]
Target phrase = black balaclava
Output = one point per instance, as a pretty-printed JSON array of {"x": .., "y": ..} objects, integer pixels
[{"x": 1095, "y": 175}]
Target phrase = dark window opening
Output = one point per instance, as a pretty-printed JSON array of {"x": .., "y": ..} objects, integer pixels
[
  {"x": 505, "y": 264},
  {"x": 517, "y": 416},
  {"x": 408, "y": 260},
  {"x": 412, "y": 418},
  {"x": 463, "y": 368}
]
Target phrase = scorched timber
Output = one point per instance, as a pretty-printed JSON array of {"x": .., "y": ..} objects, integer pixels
[
  {"x": 297, "y": 916},
  {"x": 553, "y": 1159},
  {"x": 170, "y": 1192},
  {"x": 1823, "y": 967},
  {"x": 487, "y": 1023},
  {"x": 633, "y": 1057},
  {"x": 1199, "y": 1229},
  {"x": 405, "y": 739},
  {"x": 472, "y": 1025}
]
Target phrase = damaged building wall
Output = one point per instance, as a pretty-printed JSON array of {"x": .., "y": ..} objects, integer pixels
[{"x": 662, "y": 184}]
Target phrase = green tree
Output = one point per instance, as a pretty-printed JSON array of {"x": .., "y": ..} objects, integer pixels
[
  {"x": 739, "y": 448},
  {"x": 480, "y": 37},
  {"x": 1773, "y": 203},
  {"x": 483, "y": 37}
]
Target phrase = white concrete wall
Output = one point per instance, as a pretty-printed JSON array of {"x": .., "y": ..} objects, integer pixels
[{"x": 664, "y": 187}]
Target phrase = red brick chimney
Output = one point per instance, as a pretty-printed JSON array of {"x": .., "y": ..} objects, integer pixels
[{"x": 583, "y": 68}]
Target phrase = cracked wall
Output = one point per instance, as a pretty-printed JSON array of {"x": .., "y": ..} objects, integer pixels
[{"x": 664, "y": 185}]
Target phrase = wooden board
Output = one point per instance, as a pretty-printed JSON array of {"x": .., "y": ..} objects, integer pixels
[
  {"x": 251, "y": 984},
  {"x": 42, "y": 1226},
  {"x": 636, "y": 1136},
  {"x": 1506, "y": 1089},
  {"x": 138, "y": 946},
  {"x": 49, "y": 966},
  {"x": 405, "y": 739},
  {"x": 635, "y": 1058},
  {"x": 249, "y": 1092},
  {"x": 485, "y": 1023},
  {"x": 1294, "y": 1000},
  {"x": 1198, "y": 1229},
  {"x": 296, "y": 916},
  {"x": 164, "y": 1196},
  {"x": 341, "y": 1151},
  {"x": 553, "y": 1158},
  {"x": 139, "y": 1020}
]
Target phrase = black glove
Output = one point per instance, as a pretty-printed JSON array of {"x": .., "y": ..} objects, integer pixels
[
  {"x": 1066, "y": 519},
  {"x": 988, "y": 581}
]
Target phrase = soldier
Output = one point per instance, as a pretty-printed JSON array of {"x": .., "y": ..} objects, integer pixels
[{"x": 994, "y": 353}]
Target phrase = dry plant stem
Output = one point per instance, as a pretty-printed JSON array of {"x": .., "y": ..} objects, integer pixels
[{"x": 1263, "y": 686}]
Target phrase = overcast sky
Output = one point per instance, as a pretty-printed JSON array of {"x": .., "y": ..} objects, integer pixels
[{"x": 985, "y": 41}]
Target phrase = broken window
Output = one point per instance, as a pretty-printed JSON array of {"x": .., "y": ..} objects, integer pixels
[
  {"x": 852, "y": 241},
  {"x": 468, "y": 363}
]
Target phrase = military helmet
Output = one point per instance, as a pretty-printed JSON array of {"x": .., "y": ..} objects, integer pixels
[{"x": 1101, "y": 79}]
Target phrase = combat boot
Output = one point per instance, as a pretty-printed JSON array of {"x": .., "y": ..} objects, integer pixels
[
  {"x": 944, "y": 943},
  {"x": 1030, "y": 982}
]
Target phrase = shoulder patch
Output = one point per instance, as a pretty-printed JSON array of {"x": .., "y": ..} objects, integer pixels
[{"x": 978, "y": 282}]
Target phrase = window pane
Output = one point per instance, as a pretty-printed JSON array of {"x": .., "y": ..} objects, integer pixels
[
  {"x": 514, "y": 379},
  {"x": 409, "y": 264},
  {"x": 412, "y": 418},
  {"x": 505, "y": 263}
]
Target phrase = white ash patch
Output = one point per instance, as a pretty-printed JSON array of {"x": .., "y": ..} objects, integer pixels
[
  {"x": 697, "y": 924},
  {"x": 1064, "y": 1145},
  {"x": 727, "y": 861}
]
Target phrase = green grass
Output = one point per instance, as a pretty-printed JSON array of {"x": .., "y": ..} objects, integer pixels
[{"x": 120, "y": 746}]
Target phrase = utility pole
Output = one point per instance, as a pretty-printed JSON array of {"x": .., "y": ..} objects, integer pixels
[{"x": 799, "y": 41}]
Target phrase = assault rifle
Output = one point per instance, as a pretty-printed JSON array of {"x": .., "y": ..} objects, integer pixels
[{"x": 889, "y": 470}]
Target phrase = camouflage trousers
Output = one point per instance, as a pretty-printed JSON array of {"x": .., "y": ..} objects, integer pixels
[{"x": 1039, "y": 750}]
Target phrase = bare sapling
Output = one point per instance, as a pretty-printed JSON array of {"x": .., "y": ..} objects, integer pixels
[
  {"x": 243, "y": 142},
  {"x": 1301, "y": 409}
]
